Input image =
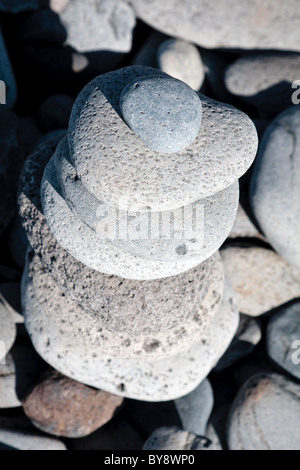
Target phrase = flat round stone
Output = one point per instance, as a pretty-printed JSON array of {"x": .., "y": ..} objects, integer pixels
[
  {"x": 89, "y": 331},
  {"x": 151, "y": 380},
  {"x": 163, "y": 112},
  {"x": 264, "y": 401},
  {"x": 118, "y": 168}
]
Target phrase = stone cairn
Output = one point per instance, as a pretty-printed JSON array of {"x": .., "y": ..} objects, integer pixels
[{"x": 124, "y": 288}]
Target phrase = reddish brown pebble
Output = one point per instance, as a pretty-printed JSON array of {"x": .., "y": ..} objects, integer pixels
[{"x": 63, "y": 407}]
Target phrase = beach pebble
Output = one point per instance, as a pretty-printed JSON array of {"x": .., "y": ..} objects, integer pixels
[
  {"x": 147, "y": 53},
  {"x": 230, "y": 25},
  {"x": 262, "y": 403},
  {"x": 173, "y": 438},
  {"x": 19, "y": 434},
  {"x": 264, "y": 80},
  {"x": 163, "y": 112},
  {"x": 54, "y": 112},
  {"x": 195, "y": 408},
  {"x": 275, "y": 185},
  {"x": 283, "y": 339},
  {"x": 92, "y": 25},
  {"x": 198, "y": 229},
  {"x": 7, "y": 331},
  {"x": 246, "y": 339},
  {"x": 181, "y": 60},
  {"x": 22, "y": 367},
  {"x": 87, "y": 361},
  {"x": 11, "y": 160},
  {"x": 262, "y": 280},
  {"x": 62, "y": 407},
  {"x": 131, "y": 175}
]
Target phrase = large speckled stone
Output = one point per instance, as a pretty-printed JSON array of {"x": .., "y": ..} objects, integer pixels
[
  {"x": 200, "y": 230},
  {"x": 175, "y": 439},
  {"x": 195, "y": 408},
  {"x": 119, "y": 169},
  {"x": 60, "y": 406},
  {"x": 165, "y": 113},
  {"x": 86, "y": 361},
  {"x": 105, "y": 296},
  {"x": 264, "y": 80},
  {"x": 92, "y": 25},
  {"x": 181, "y": 60},
  {"x": 283, "y": 339},
  {"x": 266, "y": 415},
  {"x": 262, "y": 280},
  {"x": 275, "y": 185},
  {"x": 237, "y": 24},
  {"x": 89, "y": 331}
]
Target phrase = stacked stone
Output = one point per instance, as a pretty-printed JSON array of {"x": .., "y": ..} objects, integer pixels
[{"x": 125, "y": 310}]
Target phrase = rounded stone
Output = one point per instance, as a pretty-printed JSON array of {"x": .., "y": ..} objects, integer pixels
[
  {"x": 193, "y": 231},
  {"x": 283, "y": 339},
  {"x": 152, "y": 380},
  {"x": 263, "y": 402},
  {"x": 174, "y": 438},
  {"x": 275, "y": 185},
  {"x": 181, "y": 60},
  {"x": 262, "y": 280},
  {"x": 233, "y": 24},
  {"x": 7, "y": 331},
  {"x": 60, "y": 406},
  {"x": 195, "y": 408},
  {"x": 264, "y": 80},
  {"x": 94, "y": 26},
  {"x": 243, "y": 226},
  {"x": 119, "y": 169},
  {"x": 163, "y": 112},
  {"x": 89, "y": 330}
]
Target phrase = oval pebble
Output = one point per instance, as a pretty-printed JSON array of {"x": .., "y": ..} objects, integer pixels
[{"x": 163, "y": 112}]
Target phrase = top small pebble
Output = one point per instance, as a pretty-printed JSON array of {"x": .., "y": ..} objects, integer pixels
[{"x": 163, "y": 112}]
